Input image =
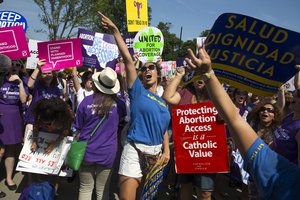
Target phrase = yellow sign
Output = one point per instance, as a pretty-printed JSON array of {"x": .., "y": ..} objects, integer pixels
[{"x": 137, "y": 14}]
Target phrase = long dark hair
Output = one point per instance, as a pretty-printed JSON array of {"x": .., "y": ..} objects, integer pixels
[{"x": 103, "y": 102}]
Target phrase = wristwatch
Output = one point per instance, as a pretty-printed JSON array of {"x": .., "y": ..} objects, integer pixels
[{"x": 206, "y": 76}]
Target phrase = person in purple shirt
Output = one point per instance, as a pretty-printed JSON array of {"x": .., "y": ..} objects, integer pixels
[
  {"x": 287, "y": 135},
  {"x": 44, "y": 85},
  {"x": 102, "y": 147},
  {"x": 13, "y": 93}
]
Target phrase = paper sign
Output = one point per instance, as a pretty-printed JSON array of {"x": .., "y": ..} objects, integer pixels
[
  {"x": 11, "y": 18},
  {"x": 168, "y": 69},
  {"x": 148, "y": 44},
  {"x": 47, "y": 163},
  {"x": 60, "y": 54},
  {"x": 34, "y": 54},
  {"x": 137, "y": 14},
  {"x": 251, "y": 54},
  {"x": 153, "y": 181},
  {"x": 99, "y": 50},
  {"x": 199, "y": 139},
  {"x": 13, "y": 42}
]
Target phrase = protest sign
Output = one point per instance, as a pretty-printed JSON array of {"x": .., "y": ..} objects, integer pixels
[
  {"x": 168, "y": 69},
  {"x": 99, "y": 50},
  {"x": 34, "y": 54},
  {"x": 251, "y": 54},
  {"x": 38, "y": 161},
  {"x": 11, "y": 18},
  {"x": 128, "y": 39},
  {"x": 199, "y": 139},
  {"x": 137, "y": 14},
  {"x": 148, "y": 44},
  {"x": 60, "y": 54},
  {"x": 13, "y": 42},
  {"x": 153, "y": 181}
]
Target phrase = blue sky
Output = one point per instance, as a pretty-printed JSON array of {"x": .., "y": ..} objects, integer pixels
[{"x": 193, "y": 15}]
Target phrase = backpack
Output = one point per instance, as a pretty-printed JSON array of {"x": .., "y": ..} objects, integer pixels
[{"x": 38, "y": 191}]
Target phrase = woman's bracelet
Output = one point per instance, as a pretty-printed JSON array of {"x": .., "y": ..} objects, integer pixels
[{"x": 32, "y": 78}]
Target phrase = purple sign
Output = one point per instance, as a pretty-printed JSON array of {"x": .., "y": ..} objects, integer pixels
[
  {"x": 60, "y": 54},
  {"x": 99, "y": 50},
  {"x": 128, "y": 39},
  {"x": 13, "y": 42}
]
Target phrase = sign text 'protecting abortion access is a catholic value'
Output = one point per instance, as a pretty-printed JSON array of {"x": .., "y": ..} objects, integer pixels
[
  {"x": 199, "y": 139},
  {"x": 60, "y": 54}
]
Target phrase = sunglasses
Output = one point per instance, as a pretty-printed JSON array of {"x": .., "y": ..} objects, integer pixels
[
  {"x": 150, "y": 67},
  {"x": 270, "y": 110}
]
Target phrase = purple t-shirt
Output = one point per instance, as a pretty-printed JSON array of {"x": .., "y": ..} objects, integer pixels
[
  {"x": 10, "y": 92},
  {"x": 102, "y": 147},
  {"x": 285, "y": 142},
  {"x": 40, "y": 92}
]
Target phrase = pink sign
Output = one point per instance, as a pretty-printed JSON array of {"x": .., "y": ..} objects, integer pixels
[
  {"x": 118, "y": 68},
  {"x": 13, "y": 42},
  {"x": 60, "y": 54}
]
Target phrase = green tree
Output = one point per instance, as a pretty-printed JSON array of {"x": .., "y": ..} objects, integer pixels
[{"x": 171, "y": 41}]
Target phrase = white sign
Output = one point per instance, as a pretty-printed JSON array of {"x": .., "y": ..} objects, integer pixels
[
  {"x": 34, "y": 54},
  {"x": 38, "y": 161}
]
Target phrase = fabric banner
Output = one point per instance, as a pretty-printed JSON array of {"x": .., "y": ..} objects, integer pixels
[
  {"x": 34, "y": 54},
  {"x": 199, "y": 139},
  {"x": 38, "y": 162},
  {"x": 13, "y": 42},
  {"x": 137, "y": 14},
  {"x": 149, "y": 44},
  {"x": 60, "y": 54},
  {"x": 12, "y": 18},
  {"x": 153, "y": 181},
  {"x": 251, "y": 54},
  {"x": 99, "y": 50}
]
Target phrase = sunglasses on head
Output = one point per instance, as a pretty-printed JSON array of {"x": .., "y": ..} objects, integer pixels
[
  {"x": 270, "y": 110},
  {"x": 150, "y": 67}
]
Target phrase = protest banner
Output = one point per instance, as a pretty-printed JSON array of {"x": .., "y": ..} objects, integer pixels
[
  {"x": 13, "y": 42},
  {"x": 12, "y": 18},
  {"x": 148, "y": 44},
  {"x": 153, "y": 181},
  {"x": 38, "y": 161},
  {"x": 199, "y": 139},
  {"x": 137, "y": 14},
  {"x": 251, "y": 54},
  {"x": 34, "y": 54},
  {"x": 60, "y": 54},
  {"x": 99, "y": 50},
  {"x": 168, "y": 69}
]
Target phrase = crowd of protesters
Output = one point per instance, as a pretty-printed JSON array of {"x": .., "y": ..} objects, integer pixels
[{"x": 72, "y": 102}]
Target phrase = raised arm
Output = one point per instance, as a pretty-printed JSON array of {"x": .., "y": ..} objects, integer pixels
[
  {"x": 131, "y": 74},
  {"x": 75, "y": 78},
  {"x": 171, "y": 96},
  {"x": 241, "y": 131},
  {"x": 297, "y": 78},
  {"x": 35, "y": 73}
]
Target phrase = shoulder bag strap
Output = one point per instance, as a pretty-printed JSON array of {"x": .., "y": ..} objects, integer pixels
[{"x": 99, "y": 123}]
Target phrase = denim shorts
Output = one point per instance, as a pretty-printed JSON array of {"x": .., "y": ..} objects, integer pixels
[{"x": 204, "y": 182}]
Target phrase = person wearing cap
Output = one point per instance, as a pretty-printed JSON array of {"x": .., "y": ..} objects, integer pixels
[
  {"x": 150, "y": 119},
  {"x": 102, "y": 147}
]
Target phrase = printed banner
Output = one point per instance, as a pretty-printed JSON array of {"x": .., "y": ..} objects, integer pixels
[
  {"x": 34, "y": 54},
  {"x": 148, "y": 44},
  {"x": 128, "y": 39},
  {"x": 99, "y": 50},
  {"x": 137, "y": 14},
  {"x": 251, "y": 54},
  {"x": 13, "y": 42},
  {"x": 60, "y": 54},
  {"x": 11, "y": 18},
  {"x": 153, "y": 181},
  {"x": 199, "y": 139},
  {"x": 38, "y": 161},
  {"x": 168, "y": 69}
]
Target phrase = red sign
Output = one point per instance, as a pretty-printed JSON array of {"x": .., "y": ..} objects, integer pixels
[{"x": 199, "y": 139}]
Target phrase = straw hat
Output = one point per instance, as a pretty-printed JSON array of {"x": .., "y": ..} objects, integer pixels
[{"x": 106, "y": 81}]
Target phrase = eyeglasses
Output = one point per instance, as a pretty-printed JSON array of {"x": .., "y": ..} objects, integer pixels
[
  {"x": 270, "y": 110},
  {"x": 150, "y": 67}
]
